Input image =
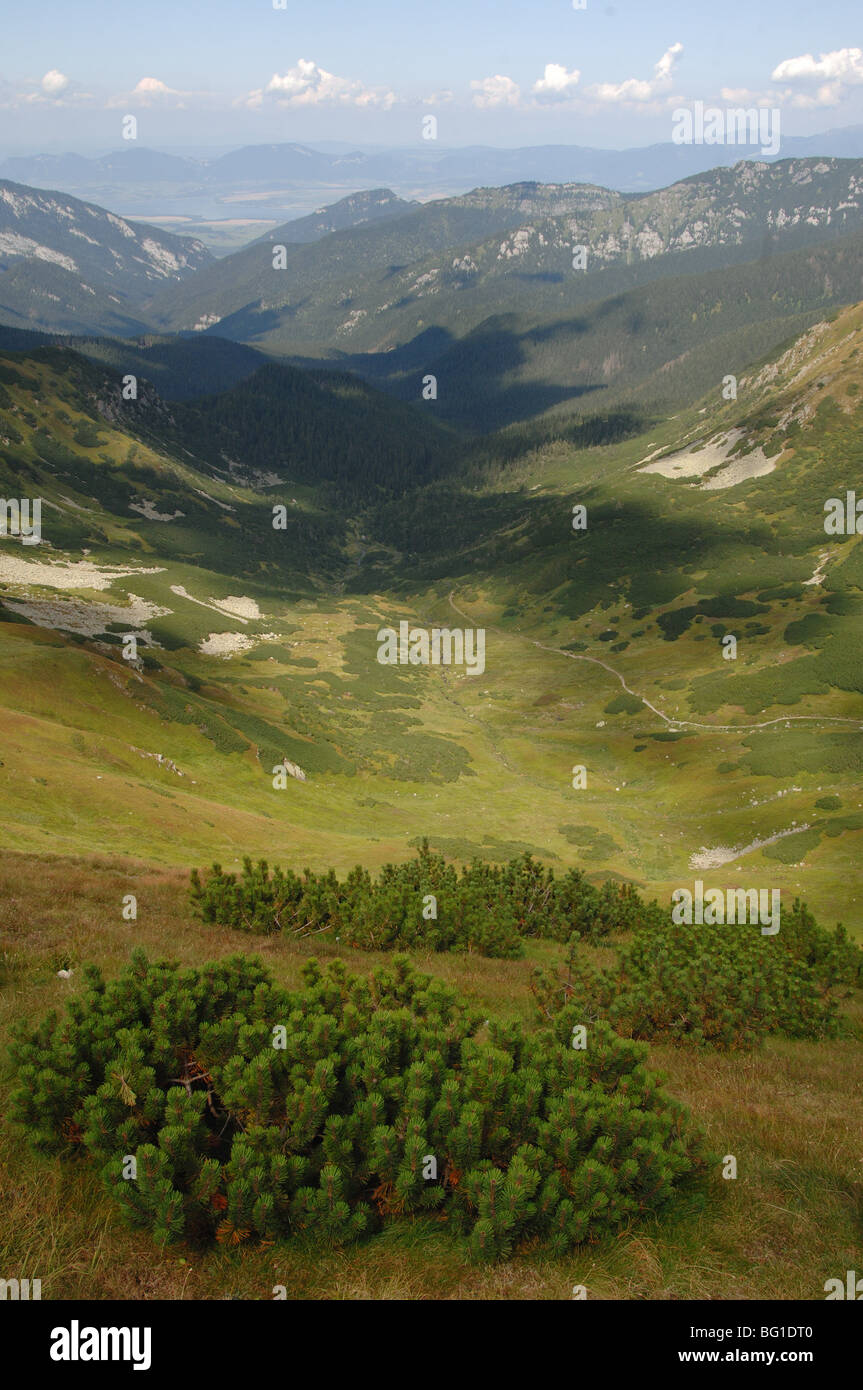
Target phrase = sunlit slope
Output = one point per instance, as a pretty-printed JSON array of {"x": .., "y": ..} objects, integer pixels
[{"x": 71, "y": 266}]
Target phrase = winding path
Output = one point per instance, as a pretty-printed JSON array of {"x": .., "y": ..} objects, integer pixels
[{"x": 674, "y": 722}]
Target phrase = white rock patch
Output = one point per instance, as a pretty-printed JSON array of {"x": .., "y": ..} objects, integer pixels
[
  {"x": 723, "y": 854},
  {"x": 89, "y": 619},
  {"x": 13, "y": 244},
  {"x": 242, "y": 608},
  {"x": 147, "y": 509},
  {"x": 227, "y": 644},
  {"x": 754, "y": 465},
  {"x": 64, "y": 574},
  {"x": 692, "y": 463}
]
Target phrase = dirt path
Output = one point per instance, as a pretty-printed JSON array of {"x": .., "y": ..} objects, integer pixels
[{"x": 676, "y": 723}]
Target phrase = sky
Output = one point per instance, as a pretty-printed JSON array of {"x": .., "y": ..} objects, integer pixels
[{"x": 222, "y": 73}]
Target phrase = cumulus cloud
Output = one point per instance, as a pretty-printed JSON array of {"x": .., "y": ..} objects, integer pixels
[
  {"x": 636, "y": 89},
  {"x": 556, "y": 84},
  {"x": 496, "y": 91},
  {"x": 845, "y": 64},
  {"x": 307, "y": 84},
  {"x": 152, "y": 87},
  {"x": 821, "y": 81},
  {"x": 53, "y": 89},
  {"x": 152, "y": 91},
  {"x": 54, "y": 82}
]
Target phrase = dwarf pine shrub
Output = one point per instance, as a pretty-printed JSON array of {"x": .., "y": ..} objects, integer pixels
[
  {"x": 219, "y": 1105},
  {"x": 833, "y": 958},
  {"x": 721, "y": 986},
  {"x": 424, "y": 903}
]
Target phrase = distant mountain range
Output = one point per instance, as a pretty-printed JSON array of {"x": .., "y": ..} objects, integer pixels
[
  {"x": 483, "y": 291},
  {"x": 451, "y": 265},
  {"x": 428, "y": 166}
]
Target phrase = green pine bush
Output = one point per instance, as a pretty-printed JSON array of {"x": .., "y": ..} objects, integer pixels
[
  {"x": 486, "y": 908},
  {"x": 720, "y": 986},
  {"x": 236, "y": 1139}
]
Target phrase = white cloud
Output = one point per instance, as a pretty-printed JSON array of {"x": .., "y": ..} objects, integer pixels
[
  {"x": 54, "y": 89},
  {"x": 845, "y": 64},
  {"x": 54, "y": 82},
  {"x": 496, "y": 91},
  {"x": 830, "y": 75},
  {"x": 307, "y": 84},
  {"x": 152, "y": 87},
  {"x": 152, "y": 91},
  {"x": 556, "y": 83},
  {"x": 743, "y": 96},
  {"x": 635, "y": 89}
]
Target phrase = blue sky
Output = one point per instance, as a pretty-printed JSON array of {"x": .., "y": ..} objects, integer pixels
[{"x": 229, "y": 72}]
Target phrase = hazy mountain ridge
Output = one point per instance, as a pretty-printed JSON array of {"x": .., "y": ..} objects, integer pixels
[
  {"x": 629, "y": 170},
  {"x": 67, "y": 264},
  {"x": 369, "y": 291},
  {"x": 392, "y": 269},
  {"x": 357, "y": 210},
  {"x": 329, "y": 267}
]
